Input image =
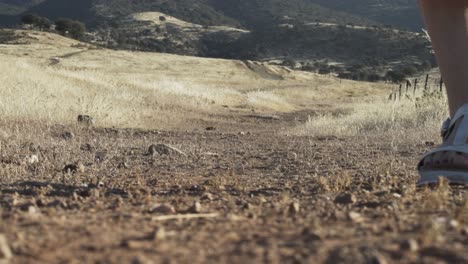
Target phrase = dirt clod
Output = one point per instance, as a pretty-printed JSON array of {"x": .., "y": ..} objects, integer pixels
[
  {"x": 294, "y": 208},
  {"x": 31, "y": 159},
  {"x": 207, "y": 196},
  {"x": 86, "y": 120},
  {"x": 74, "y": 168},
  {"x": 32, "y": 210},
  {"x": 87, "y": 147},
  {"x": 68, "y": 135},
  {"x": 100, "y": 185},
  {"x": 196, "y": 208},
  {"x": 162, "y": 209},
  {"x": 355, "y": 217},
  {"x": 159, "y": 234},
  {"x": 346, "y": 198},
  {"x": 123, "y": 165},
  {"x": 429, "y": 143},
  {"x": 410, "y": 245}
]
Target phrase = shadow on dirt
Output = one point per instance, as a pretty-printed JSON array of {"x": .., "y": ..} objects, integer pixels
[{"x": 35, "y": 188}]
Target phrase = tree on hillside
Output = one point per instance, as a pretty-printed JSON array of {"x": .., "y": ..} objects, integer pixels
[
  {"x": 29, "y": 19},
  {"x": 410, "y": 70},
  {"x": 72, "y": 28},
  {"x": 36, "y": 21},
  {"x": 395, "y": 76}
]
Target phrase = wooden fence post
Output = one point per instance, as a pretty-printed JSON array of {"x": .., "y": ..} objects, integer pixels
[
  {"x": 427, "y": 80},
  {"x": 441, "y": 84},
  {"x": 415, "y": 86},
  {"x": 399, "y": 96}
]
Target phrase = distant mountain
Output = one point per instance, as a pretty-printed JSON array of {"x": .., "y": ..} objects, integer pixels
[
  {"x": 399, "y": 13},
  {"x": 10, "y": 10},
  {"x": 15, "y": 7},
  {"x": 245, "y": 13}
]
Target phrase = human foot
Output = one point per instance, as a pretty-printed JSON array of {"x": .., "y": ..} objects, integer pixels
[{"x": 450, "y": 160}]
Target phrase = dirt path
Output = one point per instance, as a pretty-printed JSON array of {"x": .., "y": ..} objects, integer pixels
[{"x": 269, "y": 197}]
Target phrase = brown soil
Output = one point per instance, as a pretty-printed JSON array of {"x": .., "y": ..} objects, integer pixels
[{"x": 240, "y": 192}]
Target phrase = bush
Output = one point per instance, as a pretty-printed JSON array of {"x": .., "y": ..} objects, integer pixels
[
  {"x": 289, "y": 63},
  {"x": 36, "y": 21},
  {"x": 308, "y": 67},
  {"x": 425, "y": 66},
  {"x": 43, "y": 23},
  {"x": 324, "y": 70},
  {"x": 410, "y": 70},
  {"x": 7, "y": 36},
  {"x": 73, "y": 28},
  {"x": 395, "y": 76},
  {"x": 29, "y": 19},
  {"x": 374, "y": 77}
]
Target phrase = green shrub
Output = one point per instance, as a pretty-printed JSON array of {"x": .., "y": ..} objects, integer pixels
[
  {"x": 36, "y": 21},
  {"x": 73, "y": 28}
]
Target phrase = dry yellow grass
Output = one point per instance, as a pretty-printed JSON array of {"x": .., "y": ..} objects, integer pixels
[
  {"x": 53, "y": 79},
  {"x": 403, "y": 120}
]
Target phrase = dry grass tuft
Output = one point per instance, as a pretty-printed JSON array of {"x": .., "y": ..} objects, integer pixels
[
  {"x": 335, "y": 184},
  {"x": 437, "y": 198}
]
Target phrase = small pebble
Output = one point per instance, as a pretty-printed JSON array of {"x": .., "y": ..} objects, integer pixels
[
  {"x": 207, "y": 196},
  {"x": 355, "y": 217},
  {"x": 68, "y": 135},
  {"x": 410, "y": 244},
  {"x": 454, "y": 223},
  {"x": 196, "y": 208},
  {"x": 100, "y": 185},
  {"x": 162, "y": 209},
  {"x": 294, "y": 208},
  {"x": 124, "y": 165},
  {"x": 32, "y": 210},
  {"x": 159, "y": 234}
]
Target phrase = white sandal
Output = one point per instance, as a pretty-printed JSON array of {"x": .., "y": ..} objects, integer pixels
[{"x": 450, "y": 160}]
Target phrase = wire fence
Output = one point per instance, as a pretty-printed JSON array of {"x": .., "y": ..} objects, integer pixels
[{"x": 417, "y": 87}]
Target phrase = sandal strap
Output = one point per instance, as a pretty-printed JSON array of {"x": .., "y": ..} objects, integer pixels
[
  {"x": 445, "y": 128},
  {"x": 461, "y": 131}
]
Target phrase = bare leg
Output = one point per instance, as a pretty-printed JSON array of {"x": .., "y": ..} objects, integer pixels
[{"x": 447, "y": 23}]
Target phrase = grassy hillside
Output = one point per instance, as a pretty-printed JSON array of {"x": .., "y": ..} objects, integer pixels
[
  {"x": 132, "y": 89},
  {"x": 364, "y": 50}
]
